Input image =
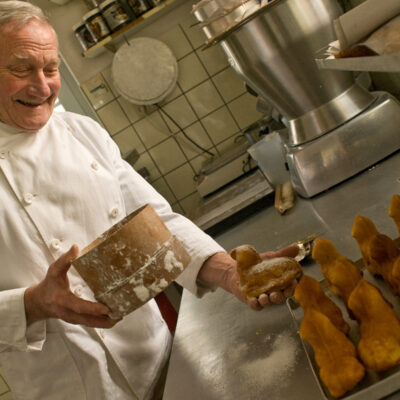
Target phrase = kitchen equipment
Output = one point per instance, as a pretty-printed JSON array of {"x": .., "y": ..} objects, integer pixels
[
  {"x": 268, "y": 152},
  {"x": 334, "y": 127},
  {"x": 132, "y": 262},
  {"x": 219, "y": 171},
  {"x": 144, "y": 71},
  {"x": 231, "y": 199}
]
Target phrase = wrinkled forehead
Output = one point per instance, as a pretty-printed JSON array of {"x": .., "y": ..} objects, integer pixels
[{"x": 34, "y": 45}]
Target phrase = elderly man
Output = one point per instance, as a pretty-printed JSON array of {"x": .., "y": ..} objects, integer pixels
[{"x": 62, "y": 184}]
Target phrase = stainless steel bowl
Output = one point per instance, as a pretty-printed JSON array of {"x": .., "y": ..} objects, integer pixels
[{"x": 274, "y": 48}]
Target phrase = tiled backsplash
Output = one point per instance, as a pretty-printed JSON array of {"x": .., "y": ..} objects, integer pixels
[
  {"x": 5, "y": 393},
  {"x": 210, "y": 103}
]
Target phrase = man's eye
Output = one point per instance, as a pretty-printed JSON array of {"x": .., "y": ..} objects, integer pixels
[
  {"x": 20, "y": 70},
  {"x": 51, "y": 71}
]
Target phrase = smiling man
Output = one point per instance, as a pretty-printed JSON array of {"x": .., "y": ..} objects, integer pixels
[
  {"x": 29, "y": 78},
  {"x": 62, "y": 184}
]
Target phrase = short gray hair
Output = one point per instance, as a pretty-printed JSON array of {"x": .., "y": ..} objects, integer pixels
[{"x": 20, "y": 12}]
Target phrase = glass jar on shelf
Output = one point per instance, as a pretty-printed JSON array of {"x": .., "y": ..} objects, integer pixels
[
  {"x": 114, "y": 14},
  {"x": 85, "y": 38},
  {"x": 96, "y": 24},
  {"x": 139, "y": 7}
]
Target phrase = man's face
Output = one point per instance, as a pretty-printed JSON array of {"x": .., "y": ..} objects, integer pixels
[{"x": 29, "y": 77}]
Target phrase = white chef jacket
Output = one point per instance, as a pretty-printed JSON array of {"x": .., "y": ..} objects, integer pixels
[{"x": 66, "y": 184}]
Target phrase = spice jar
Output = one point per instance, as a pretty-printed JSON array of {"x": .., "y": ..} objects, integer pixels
[
  {"x": 96, "y": 24},
  {"x": 139, "y": 7},
  {"x": 84, "y": 37},
  {"x": 114, "y": 14}
]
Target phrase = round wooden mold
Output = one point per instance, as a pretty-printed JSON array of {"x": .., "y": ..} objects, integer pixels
[{"x": 132, "y": 262}]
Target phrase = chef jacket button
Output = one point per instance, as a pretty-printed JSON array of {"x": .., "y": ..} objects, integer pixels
[
  {"x": 3, "y": 154},
  {"x": 28, "y": 198},
  {"x": 55, "y": 244},
  {"x": 78, "y": 290},
  {"x": 114, "y": 212},
  {"x": 94, "y": 165}
]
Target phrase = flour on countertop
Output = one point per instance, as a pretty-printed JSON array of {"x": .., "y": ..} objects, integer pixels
[{"x": 273, "y": 369}]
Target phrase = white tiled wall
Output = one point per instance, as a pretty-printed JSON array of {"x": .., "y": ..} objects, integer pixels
[
  {"x": 210, "y": 104},
  {"x": 5, "y": 393}
]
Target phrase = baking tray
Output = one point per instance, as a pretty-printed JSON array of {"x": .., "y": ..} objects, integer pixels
[{"x": 374, "y": 385}]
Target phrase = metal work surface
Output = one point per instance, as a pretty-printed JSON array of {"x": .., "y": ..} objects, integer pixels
[{"x": 222, "y": 349}]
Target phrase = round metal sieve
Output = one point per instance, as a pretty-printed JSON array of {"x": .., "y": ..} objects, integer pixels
[{"x": 144, "y": 71}]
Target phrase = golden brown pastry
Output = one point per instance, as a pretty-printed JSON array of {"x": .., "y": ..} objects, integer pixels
[
  {"x": 310, "y": 295},
  {"x": 356, "y": 51},
  {"x": 342, "y": 274},
  {"x": 258, "y": 276},
  {"x": 394, "y": 210},
  {"x": 378, "y": 251},
  {"x": 379, "y": 347},
  {"x": 335, "y": 354}
]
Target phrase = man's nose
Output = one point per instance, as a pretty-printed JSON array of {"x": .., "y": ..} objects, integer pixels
[{"x": 39, "y": 85}]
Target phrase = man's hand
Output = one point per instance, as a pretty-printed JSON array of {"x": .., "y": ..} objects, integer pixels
[
  {"x": 52, "y": 298},
  {"x": 220, "y": 269}
]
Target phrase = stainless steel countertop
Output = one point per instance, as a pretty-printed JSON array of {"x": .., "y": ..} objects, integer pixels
[{"x": 222, "y": 349}]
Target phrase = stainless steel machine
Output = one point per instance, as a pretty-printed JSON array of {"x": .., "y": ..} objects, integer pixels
[{"x": 334, "y": 127}]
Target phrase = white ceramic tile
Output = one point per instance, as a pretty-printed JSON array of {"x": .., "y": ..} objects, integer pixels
[
  {"x": 181, "y": 112},
  {"x": 167, "y": 155},
  {"x": 213, "y": 58},
  {"x": 229, "y": 84},
  {"x": 197, "y": 133},
  {"x": 152, "y": 129},
  {"x": 181, "y": 181},
  {"x": 190, "y": 203},
  {"x": 190, "y": 72},
  {"x": 133, "y": 111},
  {"x": 106, "y": 72},
  {"x": 176, "y": 92},
  {"x": 176, "y": 207},
  {"x": 204, "y": 98},
  {"x": 146, "y": 161},
  {"x": 220, "y": 125},
  {"x": 244, "y": 110},
  {"x": 128, "y": 140},
  {"x": 162, "y": 187},
  {"x": 195, "y": 35},
  {"x": 3, "y": 386},
  {"x": 113, "y": 117},
  {"x": 97, "y": 91},
  {"x": 176, "y": 40}
]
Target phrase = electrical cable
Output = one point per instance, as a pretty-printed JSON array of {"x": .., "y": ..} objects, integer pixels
[{"x": 183, "y": 132}]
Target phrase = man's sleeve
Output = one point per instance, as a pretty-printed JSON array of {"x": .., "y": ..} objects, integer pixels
[{"x": 14, "y": 332}]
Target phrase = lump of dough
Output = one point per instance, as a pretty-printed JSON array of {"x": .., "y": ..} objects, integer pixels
[{"x": 258, "y": 276}]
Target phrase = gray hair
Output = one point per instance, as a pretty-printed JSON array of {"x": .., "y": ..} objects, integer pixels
[{"x": 20, "y": 12}]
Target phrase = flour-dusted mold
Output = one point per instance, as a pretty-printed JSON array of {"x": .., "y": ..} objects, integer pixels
[{"x": 132, "y": 262}]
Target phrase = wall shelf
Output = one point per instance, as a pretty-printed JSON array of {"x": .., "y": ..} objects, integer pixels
[
  {"x": 108, "y": 42},
  {"x": 383, "y": 63}
]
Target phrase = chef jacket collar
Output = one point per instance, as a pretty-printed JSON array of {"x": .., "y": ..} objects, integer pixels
[{"x": 6, "y": 131}]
